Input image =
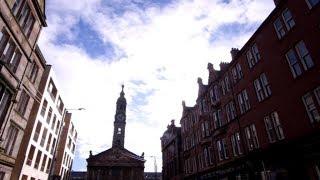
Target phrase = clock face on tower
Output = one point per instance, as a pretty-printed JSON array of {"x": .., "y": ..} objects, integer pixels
[{"x": 120, "y": 117}]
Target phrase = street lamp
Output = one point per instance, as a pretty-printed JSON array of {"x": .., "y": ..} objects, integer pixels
[{"x": 54, "y": 158}]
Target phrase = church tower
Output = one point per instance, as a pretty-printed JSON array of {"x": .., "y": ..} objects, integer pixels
[{"x": 120, "y": 121}]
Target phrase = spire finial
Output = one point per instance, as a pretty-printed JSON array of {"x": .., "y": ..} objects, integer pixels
[{"x": 122, "y": 93}]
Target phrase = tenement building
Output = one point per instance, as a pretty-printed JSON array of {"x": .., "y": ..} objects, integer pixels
[
  {"x": 171, "y": 152},
  {"x": 21, "y": 68},
  {"x": 258, "y": 116},
  {"x": 116, "y": 163}
]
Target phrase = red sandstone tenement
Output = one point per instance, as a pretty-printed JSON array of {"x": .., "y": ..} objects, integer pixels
[{"x": 258, "y": 117}]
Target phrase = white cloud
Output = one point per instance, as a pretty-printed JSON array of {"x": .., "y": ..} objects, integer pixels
[{"x": 166, "y": 49}]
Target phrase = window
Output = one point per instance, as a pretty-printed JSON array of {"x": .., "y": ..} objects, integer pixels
[
  {"x": 43, "y": 137},
  {"x": 288, "y": 20},
  {"x": 23, "y": 102},
  {"x": 48, "y": 165},
  {"x": 223, "y": 87},
  {"x": 33, "y": 72},
  {"x": 207, "y": 128},
  {"x": 53, "y": 146},
  {"x": 243, "y": 101},
  {"x": 37, "y": 132},
  {"x": 24, "y": 16},
  {"x": 283, "y": 24},
  {"x": 300, "y": 51},
  {"x": 211, "y": 155},
  {"x": 43, "y": 164},
  {"x": 230, "y": 111},
  {"x": 58, "y": 127},
  {"x": 226, "y": 80},
  {"x": 36, "y": 163},
  {"x": 9, "y": 53},
  {"x": 52, "y": 90},
  {"x": 312, "y": 3},
  {"x": 60, "y": 105},
  {"x": 5, "y": 97},
  {"x": 14, "y": 60},
  {"x": 273, "y": 127},
  {"x": 262, "y": 87},
  {"x": 236, "y": 142},
  {"x": 217, "y": 118},
  {"x": 203, "y": 105},
  {"x": 222, "y": 149},
  {"x": 73, "y": 147},
  {"x": 16, "y": 6},
  {"x": 304, "y": 55},
  {"x": 252, "y": 138},
  {"x": 30, "y": 155},
  {"x": 44, "y": 108},
  {"x": 237, "y": 73},
  {"x": 253, "y": 55},
  {"x": 214, "y": 94},
  {"x": 11, "y": 139},
  {"x": 49, "y": 115},
  {"x": 49, "y": 142},
  {"x": 4, "y": 39},
  {"x": 311, "y": 101},
  {"x": 53, "y": 121}
]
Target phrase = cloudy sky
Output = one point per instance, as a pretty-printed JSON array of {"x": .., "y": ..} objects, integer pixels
[{"x": 157, "y": 48}]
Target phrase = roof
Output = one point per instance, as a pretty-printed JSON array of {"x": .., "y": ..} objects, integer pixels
[{"x": 116, "y": 156}]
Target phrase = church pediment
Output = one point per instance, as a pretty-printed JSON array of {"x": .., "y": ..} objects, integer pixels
[{"x": 115, "y": 157}]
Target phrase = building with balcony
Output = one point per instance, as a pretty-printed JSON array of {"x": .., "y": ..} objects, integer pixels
[
  {"x": 258, "y": 116},
  {"x": 21, "y": 68}
]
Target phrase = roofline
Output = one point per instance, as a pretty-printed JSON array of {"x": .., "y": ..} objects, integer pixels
[{"x": 40, "y": 55}]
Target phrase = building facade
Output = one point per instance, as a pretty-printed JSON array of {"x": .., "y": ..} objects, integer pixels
[
  {"x": 258, "y": 116},
  {"x": 66, "y": 149},
  {"x": 116, "y": 163},
  {"x": 21, "y": 68},
  {"x": 171, "y": 153},
  {"x": 40, "y": 140}
]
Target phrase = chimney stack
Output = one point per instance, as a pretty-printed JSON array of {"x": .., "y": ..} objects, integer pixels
[
  {"x": 234, "y": 52},
  {"x": 200, "y": 81},
  {"x": 223, "y": 66},
  {"x": 277, "y": 2}
]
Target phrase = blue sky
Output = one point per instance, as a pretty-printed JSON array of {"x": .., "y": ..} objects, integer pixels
[{"x": 157, "y": 49}]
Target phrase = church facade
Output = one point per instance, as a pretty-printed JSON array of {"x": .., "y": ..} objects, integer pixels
[{"x": 116, "y": 163}]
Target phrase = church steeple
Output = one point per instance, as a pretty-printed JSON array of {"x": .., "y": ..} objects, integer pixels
[{"x": 120, "y": 121}]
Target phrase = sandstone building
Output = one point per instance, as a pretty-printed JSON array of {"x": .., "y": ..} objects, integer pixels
[
  {"x": 171, "y": 147},
  {"x": 21, "y": 68},
  {"x": 258, "y": 116}
]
